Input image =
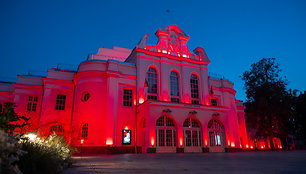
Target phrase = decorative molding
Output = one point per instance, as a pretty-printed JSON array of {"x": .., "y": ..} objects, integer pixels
[
  {"x": 193, "y": 112},
  {"x": 216, "y": 115},
  {"x": 167, "y": 111}
]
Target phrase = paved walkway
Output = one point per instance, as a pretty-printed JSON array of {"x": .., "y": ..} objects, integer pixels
[{"x": 282, "y": 162}]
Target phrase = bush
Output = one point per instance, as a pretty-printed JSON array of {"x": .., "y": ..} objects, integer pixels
[
  {"x": 47, "y": 156},
  {"x": 10, "y": 151}
]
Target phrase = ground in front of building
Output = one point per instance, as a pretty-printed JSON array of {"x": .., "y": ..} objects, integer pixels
[{"x": 241, "y": 162}]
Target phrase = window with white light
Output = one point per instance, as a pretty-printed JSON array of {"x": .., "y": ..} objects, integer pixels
[{"x": 216, "y": 133}]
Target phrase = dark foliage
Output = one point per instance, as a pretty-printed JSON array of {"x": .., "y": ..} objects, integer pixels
[
  {"x": 10, "y": 121},
  {"x": 300, "y": 117},
  {"x": 269, "y": 106}
]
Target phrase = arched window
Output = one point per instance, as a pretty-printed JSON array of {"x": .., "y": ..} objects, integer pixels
[
  {"x": 84, "y": 130},
  {"x": 85, "y": 96},
  {"x": 194, "y": 87},
  {"x": 58, "y": 129},
  {"x": 166, "y": 133},
  {"x": 174, "y": 87},
  {"x": 216, "y": 133},
  {"x": 191, "y": 123},
  {"x": 192, "y": 132},
  {"x": 152, "y": 83}
]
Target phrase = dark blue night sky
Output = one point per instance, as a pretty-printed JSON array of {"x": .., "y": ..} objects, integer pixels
[{"x": 38, "y": 35}]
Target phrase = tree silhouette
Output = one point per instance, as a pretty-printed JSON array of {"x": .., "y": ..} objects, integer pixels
[
  {"x": 269, "y": 104},
  {"x": 10, "y": 121}
]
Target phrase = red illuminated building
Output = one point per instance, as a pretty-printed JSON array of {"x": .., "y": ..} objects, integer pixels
[{"x": 158, "y": 98}]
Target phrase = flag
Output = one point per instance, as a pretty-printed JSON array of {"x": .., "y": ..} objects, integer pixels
[
  {"x": 146, "y": 84},
  {"x": 211, "y": 92}
]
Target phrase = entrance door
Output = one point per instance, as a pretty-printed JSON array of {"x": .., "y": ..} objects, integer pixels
[
  {"x": 216, "y": 136},
  {"x": 165, "y": 135},
  {"x": 192, "y": 134}
]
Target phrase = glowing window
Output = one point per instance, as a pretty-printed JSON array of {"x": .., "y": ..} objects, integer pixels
[
  {"x": 152, "y": 84},
  {"x": 216, "y": 133},
  {"x": 60, "y": 102},
  {"x": 32, "y": 103},
  {"x": 84, "y": 131},
  {"x": 58, "y": 129},
  {"x": 85, "y": 96},
  {"x": 174, "y": 87},
  {"x": 127, "y": 97},
  {"x": 194, "y": 87}
]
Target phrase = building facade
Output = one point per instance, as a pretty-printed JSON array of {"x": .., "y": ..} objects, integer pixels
[{"x": 154, "y": 98}]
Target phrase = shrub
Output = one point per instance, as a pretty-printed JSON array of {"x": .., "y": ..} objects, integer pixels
[
  {"x": 10, "y": 152},
  {"x": 46, "y": 156}
]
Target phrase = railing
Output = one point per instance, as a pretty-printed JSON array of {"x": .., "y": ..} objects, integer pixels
[
  {"x": 68, "y": 67},
  {"x": 217, "y": 76}
]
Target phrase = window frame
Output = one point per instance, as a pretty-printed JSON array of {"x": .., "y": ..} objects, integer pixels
[
  {"x": 32, "y": 103},
  {"x": 84, "y": 131},
  {"x": 58, "y": 129},
  {"x": 174, "y": 82},
  {"x": 127, "y": 99},
  {"x": 85, "y": 96},
  {"x": 216, "y": 133},
  {"x": 60, "y": 102},
  {"x": 166, "y": 133},
  {"x": 194, "y": 89},
  {"x": 152, "y": 80},
  {"x": 214, "y": 101}
]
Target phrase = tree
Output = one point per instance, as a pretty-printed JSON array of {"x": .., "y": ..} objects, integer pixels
[
  {"x": 269, "y": 105},
  {"x": 10, "y": 121},
  {"x": 300, "y": 119}
]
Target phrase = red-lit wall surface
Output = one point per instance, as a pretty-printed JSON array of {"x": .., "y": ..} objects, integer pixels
[{"x": 105, "y": 78}]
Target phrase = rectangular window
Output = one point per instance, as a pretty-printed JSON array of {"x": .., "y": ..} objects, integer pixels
[
  {"x": 161, "y": 137},
  {"x": 84, "y": 132},
  {"x": 175, "y": 100},
  {"x": 127, "y": 97},
  {"x": 174, "y": 87},
  {"x": 32, "y": 103},
  {"x": 212, "y": 139},
  {"x": 218, "y": 140},
  {"x": 195, "y": 102},
  {"x": 60, "y": 102},
  {"x": 152, "y": 97},
  {"x": 188, "y": 137},
  {"x": 169, "y": 138},
  {"x": 195, "y": 138},
  {"x": 214, "y": 102}
]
